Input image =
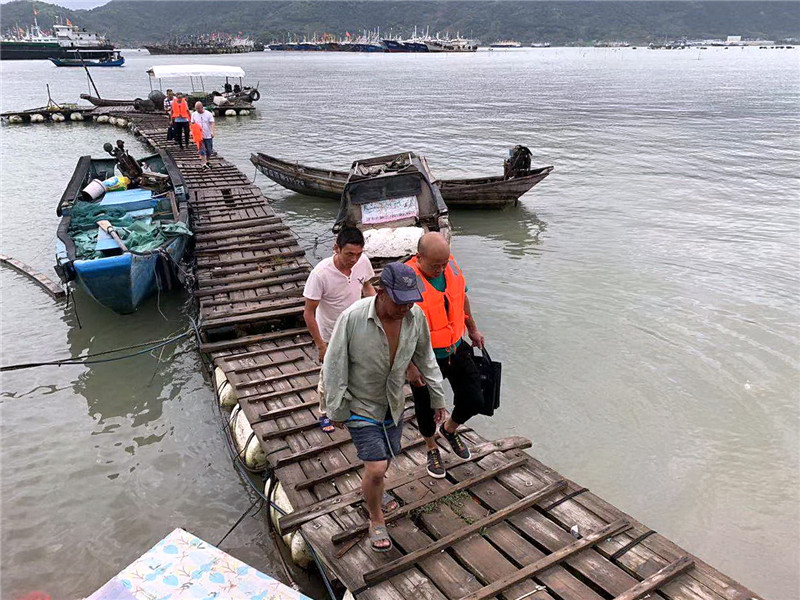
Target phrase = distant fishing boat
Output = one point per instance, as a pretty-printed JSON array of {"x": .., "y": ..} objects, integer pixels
[
  {"x": 478, "y": 192},
  {"x": 109, "y": 59},
  {"x": 65, "y": 39},
  {"x": 120, "y": 246},
  {"x": 506, "y": 44}
]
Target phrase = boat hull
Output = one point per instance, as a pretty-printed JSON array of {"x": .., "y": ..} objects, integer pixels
[
  {"x": 74, "y": 62},
  {"x": 123, "y": 282},
  {"x": 34, "y": 51},
  {"x": 482, "y": 193},
  {"x": 172, "y": 50}
]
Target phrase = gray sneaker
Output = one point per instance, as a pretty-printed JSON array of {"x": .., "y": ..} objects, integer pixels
[
  {"x": 456, "y": 443},
  {"x": 435, "y": 466}
]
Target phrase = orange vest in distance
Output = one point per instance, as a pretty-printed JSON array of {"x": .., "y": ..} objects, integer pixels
[{"x": 180, "y": 109}]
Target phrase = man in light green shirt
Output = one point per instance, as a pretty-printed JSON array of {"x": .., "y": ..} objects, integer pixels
[{"x": 370, "y": 349}]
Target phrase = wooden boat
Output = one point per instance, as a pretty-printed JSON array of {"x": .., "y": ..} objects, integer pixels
[
  {"x": 480, "y": 192},
  {"x": 108, "y": 59},
  {"x": 393, "y": 200},
  {"x": 105, "y": 101},
  {"x": 120, "y": 266}
]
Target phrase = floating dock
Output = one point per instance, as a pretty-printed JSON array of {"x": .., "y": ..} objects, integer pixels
[{"x": 501, "y": 525}]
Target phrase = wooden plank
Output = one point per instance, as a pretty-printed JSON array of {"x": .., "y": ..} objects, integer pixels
[
  {"x": 658, "y": 579},
  {"x": 493, "y": 589},
  {"x": 253, "y": 353},
  {"x": 240, "y": 232},
  {"x": 280, "y": 393},
  {"x": 275, "y": 276},
  {"x": 265, "y": 259},
  {"x": 297, "y": 518},
  {"x": 253, "y": 285},
  {"x": 280, "y": 377},
  {"x": 547, "y": 533},
  {"x": 273, "y": 414},
  {"x": 278, "y": 242},
  {"x": 211, "y": 347},
  {"x": 477, "y": 452},
  {"x": 253, "y": 317},
  {"x": 44, "y": 282},
  {"x": 272, "y": 363},
  {"x": 406, "y": 509},
  {"x": 314, "y": 451},
  {"x": 400, "y": 565}
]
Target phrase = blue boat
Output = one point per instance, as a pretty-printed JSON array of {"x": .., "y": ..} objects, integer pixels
[
  {"x": 84, "y": 59},
  {"x": 122, "y": 265}
]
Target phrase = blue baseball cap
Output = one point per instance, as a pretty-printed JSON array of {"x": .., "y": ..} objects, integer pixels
[{"x": 400, "y": 282}]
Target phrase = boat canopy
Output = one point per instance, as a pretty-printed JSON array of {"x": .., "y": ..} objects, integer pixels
[{"x": 162, "y": 71}]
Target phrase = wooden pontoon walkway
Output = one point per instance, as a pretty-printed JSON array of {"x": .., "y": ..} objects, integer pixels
[{"x": 500, "y": 525}]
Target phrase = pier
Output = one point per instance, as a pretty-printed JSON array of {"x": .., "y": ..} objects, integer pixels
[{"x": 501, "y": 525}]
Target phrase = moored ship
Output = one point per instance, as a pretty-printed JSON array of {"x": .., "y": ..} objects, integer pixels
[
  {"x": 63, "y": 42},
  {"x": 212, "y": 44}
]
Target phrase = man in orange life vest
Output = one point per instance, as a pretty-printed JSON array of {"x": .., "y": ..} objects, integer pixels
[
  {"x": 180, "y": 120},
  {"x": 446, "y": 307}
]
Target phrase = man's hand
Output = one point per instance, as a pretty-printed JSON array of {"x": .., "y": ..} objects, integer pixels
[
  {"x": 476, "y": 337},
  {"x": 439, "y": 415},
  {"x": 415, "y": 378},
  {"x": 322, "y": 348}
]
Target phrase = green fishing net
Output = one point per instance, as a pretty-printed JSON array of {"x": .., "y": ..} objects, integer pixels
[{"x": 139, "y": 235}]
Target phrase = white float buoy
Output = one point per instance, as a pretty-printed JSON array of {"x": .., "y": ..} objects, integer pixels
[
  {"x": 102, "y": 119},
  {"x": 122, "y": 123},
  {"x": 37, "y": 118},
  {"x": 15, "y": 119},
  {"x": 244, "y": 112},
  {"x": 225, "y": 391},
  {"x": 246, "y": 443},
  {"x": 76, "y": 116},
  {"x": 301, "y": 553},
  {"x": 58, "y": 118},
  {"x": 112, "y": 120},
  {"x": 230, "y": 113}
]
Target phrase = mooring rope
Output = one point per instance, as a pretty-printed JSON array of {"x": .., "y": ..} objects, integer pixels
[{"x": 82, "y": 360}]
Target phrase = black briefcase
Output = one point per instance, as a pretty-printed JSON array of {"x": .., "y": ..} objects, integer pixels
[
  {"x": 171, "y": 132},
  {"x": 490, "y": 372}
]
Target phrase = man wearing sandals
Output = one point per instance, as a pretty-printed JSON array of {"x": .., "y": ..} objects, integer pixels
[
  {"x": 334, "y": 285},
  {"x": 372, "y": 345},
  {"x": 446, "y": 307}
]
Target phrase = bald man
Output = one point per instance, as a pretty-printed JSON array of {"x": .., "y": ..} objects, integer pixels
[
  {"x": 205, "y": 118},
  {"x": 446, "y": 307}
]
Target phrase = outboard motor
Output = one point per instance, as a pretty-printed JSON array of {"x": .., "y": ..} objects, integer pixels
[
  {"x": 127, "y": 164},
  {"x": 517, "y": 163}
]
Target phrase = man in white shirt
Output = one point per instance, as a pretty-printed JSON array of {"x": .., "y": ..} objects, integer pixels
[
  {"x": 205, "y": 119},
  {"x": 334, "y": 285}
]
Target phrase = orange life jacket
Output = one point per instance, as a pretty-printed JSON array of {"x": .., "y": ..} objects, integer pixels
[
  {"x": 179, "y": 108},
  {"x": 445, "y": 319},
  {"x": 196, "y": 130}
]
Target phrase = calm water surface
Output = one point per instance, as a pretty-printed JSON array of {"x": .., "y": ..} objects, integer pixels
[{"x": 643, "y": 299}]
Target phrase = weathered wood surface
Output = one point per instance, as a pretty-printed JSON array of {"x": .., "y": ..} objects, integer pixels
[
  {"x": 40, "y": 279},
  {"x": 249, "y": 272}
]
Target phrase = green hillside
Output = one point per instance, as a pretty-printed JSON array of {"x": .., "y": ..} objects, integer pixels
[{"x": 136, "y": 22}]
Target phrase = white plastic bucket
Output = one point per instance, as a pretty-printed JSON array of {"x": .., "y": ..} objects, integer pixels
[{"x": 94, "y": 191}]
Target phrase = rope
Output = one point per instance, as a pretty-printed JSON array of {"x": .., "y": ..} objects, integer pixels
[
  {"x": 82, "y": 360},
  {"x": 240, "y": 519}
]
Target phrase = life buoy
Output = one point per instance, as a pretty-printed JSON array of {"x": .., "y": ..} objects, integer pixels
[{"x": 255, "y": 95}]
